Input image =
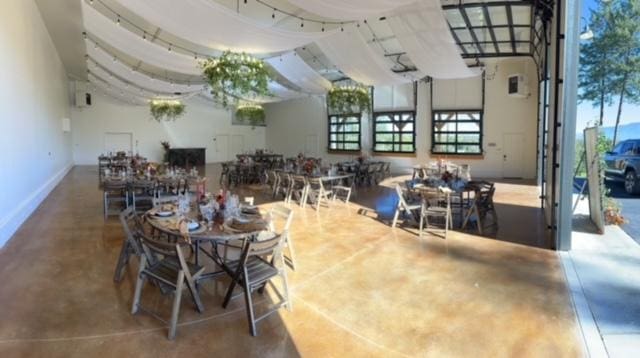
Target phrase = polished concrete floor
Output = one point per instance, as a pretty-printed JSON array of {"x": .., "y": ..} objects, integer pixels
[{"x": 360, "y": 289}]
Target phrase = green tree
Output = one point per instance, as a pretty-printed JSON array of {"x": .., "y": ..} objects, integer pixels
[
  {"x": 624, "y": 36},
  {"x": 596, "y": 61}
]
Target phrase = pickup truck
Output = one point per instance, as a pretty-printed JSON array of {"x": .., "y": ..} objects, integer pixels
[{"x": 623, "y": 164}]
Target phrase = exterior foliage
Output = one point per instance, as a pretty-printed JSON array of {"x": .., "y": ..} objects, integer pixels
[
  {"x": 166, "y": 110},
  {"x": 610, "y": 62},
  {"x": 346, "y": 100},
  {"x": 235, "y": 75},
  {"x": 252, "y": 114}
]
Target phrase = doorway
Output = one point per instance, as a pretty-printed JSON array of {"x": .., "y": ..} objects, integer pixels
[
  {"x": 222, "y": 148},
  {"x": 513, "y": 155}
]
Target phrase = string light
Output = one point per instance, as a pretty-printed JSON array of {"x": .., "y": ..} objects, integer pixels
[
  {"x": 118, "y": 20},
  {"x": 144, "y": 36}
]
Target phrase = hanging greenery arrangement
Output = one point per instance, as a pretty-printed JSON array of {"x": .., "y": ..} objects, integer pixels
[
  {"x": 236, "y": 75},
  {"x": 253, "y": 114},
  {"x": 167, "y": 110},
  {"x": 351, "y": 99}
]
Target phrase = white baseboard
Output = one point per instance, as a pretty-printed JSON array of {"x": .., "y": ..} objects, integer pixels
[{"x": 11, "y": 222}]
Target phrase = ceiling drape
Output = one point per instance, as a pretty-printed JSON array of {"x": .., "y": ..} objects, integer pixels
[
  {"x": 425, "y": 36},
  {"x": 350, "y": 53},
  {"x": 135, "y": 46},
  {"x": 139, "y": 79},
  {"x": 116, "y": 93},
  {"x": 293, "y": 68},
  {"x": 215, "y": 26},
  {"x": 350, "y": 9}
]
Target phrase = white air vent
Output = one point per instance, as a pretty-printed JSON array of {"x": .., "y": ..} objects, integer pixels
[{"x": 518, "y": 86}]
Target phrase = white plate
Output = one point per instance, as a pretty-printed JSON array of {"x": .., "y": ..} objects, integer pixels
[
  {"x": 193, "y": 225},
  {"x": 165, "y": 214}
]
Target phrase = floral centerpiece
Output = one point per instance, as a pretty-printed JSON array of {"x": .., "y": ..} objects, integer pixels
[
  {"x": 308, "y": 166},
  {"x": 166, "y": 146},
  {"x": 446, "y": 176}
]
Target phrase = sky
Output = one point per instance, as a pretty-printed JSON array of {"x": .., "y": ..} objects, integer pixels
[{"x": 587, "y": 113}]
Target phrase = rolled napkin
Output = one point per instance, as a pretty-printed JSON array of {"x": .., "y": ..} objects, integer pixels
[
  {"x": 250, "y": 210},
  {"x": 248, "y": 226}
]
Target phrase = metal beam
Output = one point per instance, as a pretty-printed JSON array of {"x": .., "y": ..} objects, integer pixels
[
  {"x": 487, "y": 18},
  {"x": 512, "y": 33},
  {"x": 465, "y": 17}
]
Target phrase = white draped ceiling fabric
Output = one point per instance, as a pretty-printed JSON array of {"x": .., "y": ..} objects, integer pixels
[
  {"x": 351, "y": 9},
  {"x": 425, "y": 36},
  {"x": 135, "y": 46},
  {"x": 350, "y": 52},
  {"x": 209, "y": 24},
  {"x": 293, "y": 68},
  {"x": 117, "y": 93},
  {"x": 121, "y": 70}
]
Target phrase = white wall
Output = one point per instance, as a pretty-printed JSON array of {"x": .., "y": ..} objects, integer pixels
[
  {"x": 290, "y": 123},
  {"x": 198, "y": 127},
  {"x": 34, "y": 152}
]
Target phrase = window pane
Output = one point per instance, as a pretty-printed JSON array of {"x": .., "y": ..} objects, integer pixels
[
  {"x": 470, "y": 149},
  {"x": 407, "y": 138},
  {"x": 351, "y": 137},
  {"x": 408, "y": 127},
  {"x": 384, "y": 127},
  {"x": 384, "y": 147},
  {"x": 440, "y": 148},
  {"x": 351, "y": 146},
  {"x": 468, "y": 138},
  {"x": 461, "y": 133},
  {"x": 445, "y": 127},
  {"x": 468, "y": 127},
  {"x": 407, "y": 148}
]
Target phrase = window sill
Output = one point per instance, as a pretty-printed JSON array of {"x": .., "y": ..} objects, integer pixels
[
  {"x": 344, "y": 152},
  {"x": 457, "y": 156},
  {"x": 394, "y": 154}
]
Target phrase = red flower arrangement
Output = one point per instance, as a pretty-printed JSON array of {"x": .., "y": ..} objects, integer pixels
[{"x": 308, "y": 166}]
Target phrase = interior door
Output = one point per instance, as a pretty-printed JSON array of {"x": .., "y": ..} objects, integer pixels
[
  {"x": 513, "y": 155},
  {"x": 237, "y": 145},
  {"x": 118, "y": 141},
  {"x": 222, "y": 147}
]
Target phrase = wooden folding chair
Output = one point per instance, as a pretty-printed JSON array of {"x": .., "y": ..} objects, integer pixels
[
  {"x": 260, "y": 262},
  {"x": 164, "y": 264}
]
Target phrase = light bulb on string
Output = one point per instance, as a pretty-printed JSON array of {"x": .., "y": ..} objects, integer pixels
[
  {"x": 144, "y": 36},
  {"x": 169, "y": 47},
  {"x": 118, "y": 20},
  {"x": 273, "y": 14}
]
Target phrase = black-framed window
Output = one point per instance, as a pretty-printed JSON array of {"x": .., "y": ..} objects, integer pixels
[
  {"x": 344, "y": 132},
  {"x": 456, "y": 132},
  {"x": 394, "y": 132}
]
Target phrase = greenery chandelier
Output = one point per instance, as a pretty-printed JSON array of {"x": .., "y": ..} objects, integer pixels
[
  {"x": 251, "y": 113},
  {"x": 236, "y": 75},
  {"x": 166, "y": 109},
  {"x": 349, "y": 99}
]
